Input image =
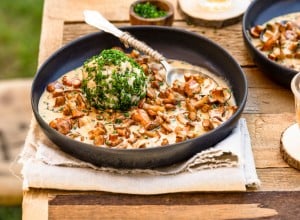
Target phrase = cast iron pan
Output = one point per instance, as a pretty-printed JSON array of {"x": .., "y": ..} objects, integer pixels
[
  {"x": 173, "y": 43},
  {"x": 260, "y": 12}
]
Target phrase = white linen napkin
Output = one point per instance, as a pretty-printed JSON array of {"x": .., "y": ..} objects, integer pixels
[{"x": 228, "y": 166}]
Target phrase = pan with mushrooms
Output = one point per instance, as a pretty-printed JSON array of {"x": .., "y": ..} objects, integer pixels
[
  {"x": 271, "y": 34},
  {"x": 278, "y": 39},
  {"x": 109, "y": 105},
  {"x": 119, "y": 100}
]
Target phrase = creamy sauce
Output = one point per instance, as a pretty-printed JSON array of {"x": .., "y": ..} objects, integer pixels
[
  {"x": 81, "y": 131},
  {"x": 184, "y": 65},
  {"x": 288, "y": 60}
]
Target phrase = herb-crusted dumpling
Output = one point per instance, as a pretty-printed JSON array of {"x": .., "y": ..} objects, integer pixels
[{"x": 112, "y": 80}]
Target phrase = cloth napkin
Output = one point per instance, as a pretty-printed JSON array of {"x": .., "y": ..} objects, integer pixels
[{"x": 228, "y": 166}]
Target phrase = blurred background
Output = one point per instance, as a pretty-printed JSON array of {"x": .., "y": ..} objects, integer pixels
[{"x": 20, "y": 25}]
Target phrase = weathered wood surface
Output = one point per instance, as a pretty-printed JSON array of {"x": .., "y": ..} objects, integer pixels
[
  {"x": 101, "y": 205},
  {"x": 269, "y": 111},
  {"x": 276, "y": 205}
]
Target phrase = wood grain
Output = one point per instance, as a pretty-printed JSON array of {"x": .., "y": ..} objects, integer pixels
[
  {"x": 175, "y": 206},
  {"x": 231, "y": 211},
  {"x": 266, "y": 144},
  {"x": 279, "y": 179},
  {"x": 114, "y": 10}
]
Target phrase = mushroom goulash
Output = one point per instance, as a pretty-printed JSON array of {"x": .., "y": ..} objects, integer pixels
[
  {"x": 279, "y": 39},
  {"x": 119, "y": 100}
]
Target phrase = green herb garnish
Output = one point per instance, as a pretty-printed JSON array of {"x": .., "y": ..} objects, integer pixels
[
  {"x": 118, "y": 121},
  {"x": 149, "y": 10}
]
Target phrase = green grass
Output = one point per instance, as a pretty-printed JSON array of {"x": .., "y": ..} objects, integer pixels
[
  {"x": 20, "y": 25},
  {"x": 10, "y": 213}
]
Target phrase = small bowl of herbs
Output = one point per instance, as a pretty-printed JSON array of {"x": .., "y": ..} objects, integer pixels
[{"x": 151, "y": 12}]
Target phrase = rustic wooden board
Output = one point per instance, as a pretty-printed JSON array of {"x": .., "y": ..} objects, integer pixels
[
  {"x": 279, "y": 179},
  {"x": 114, "y": 10},
  {"x": 266, "y": 144},
  {"x": 175, "y": 206}
]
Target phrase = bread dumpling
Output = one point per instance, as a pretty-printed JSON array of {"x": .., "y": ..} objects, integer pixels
[{"x": 112, "y": 80}]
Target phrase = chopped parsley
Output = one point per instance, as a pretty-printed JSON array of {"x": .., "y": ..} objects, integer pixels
[
  {"x": 148, "y": 10},
  {"x": 118, "y": 121}
]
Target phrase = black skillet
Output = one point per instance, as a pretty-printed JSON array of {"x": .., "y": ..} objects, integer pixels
[{"x": 174, "y": 44}]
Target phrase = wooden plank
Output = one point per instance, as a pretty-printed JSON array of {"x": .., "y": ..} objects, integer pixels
[
  {"x": 279, "y": 179},
  {"x": 50, "y": 27},
  {"x": 265, "y": 132},
  {"x": 35, "y": 204},
  {"x": 232, "y": 211},
  {"x": 269, "y": 101},
  {"x": 177, "y": 206},
  {"x": 257, "y": 79},
  {"x": 195, "y": 198}
]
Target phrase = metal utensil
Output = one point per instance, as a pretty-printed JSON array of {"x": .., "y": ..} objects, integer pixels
[{"x": 95, "y": 19}]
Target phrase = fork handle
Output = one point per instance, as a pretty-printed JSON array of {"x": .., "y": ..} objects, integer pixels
[
  {"x": 129, "y": 40},
  {"x": 95, "y": 19}
]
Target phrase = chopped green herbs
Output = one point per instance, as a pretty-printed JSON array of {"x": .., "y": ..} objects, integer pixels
[
  {"x": 149, "y": 10},
  {"x": 118, "y": 121},
  {"x": 112, "y": 80}
]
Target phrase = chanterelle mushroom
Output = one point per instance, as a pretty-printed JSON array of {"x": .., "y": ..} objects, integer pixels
[{"x": 220, "y": 95}]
